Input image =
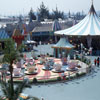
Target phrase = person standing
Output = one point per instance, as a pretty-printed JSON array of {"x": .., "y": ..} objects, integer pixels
[
  {"x": 98, "y": 61},
  {"x": 95, "y": 62}
]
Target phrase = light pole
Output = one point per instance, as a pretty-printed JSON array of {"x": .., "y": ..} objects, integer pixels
[
  {"x": 90, "y": 52},
  {"x": 81, "y": 47},
  {"x": 81, "y": 50},
  {"x": 40, "y": 47}
]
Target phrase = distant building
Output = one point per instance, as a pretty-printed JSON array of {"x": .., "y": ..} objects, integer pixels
[{"x": 45, "y": 30}]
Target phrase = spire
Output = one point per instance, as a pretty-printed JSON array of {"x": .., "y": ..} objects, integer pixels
[
  {"x": 92, "y": 2},
  {"x": 92, "y": 10}
]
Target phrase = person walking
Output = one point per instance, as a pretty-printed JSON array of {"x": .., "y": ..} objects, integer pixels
[
  {"x": 98, "y": 61},
  {"x": 95, "y": 62}
]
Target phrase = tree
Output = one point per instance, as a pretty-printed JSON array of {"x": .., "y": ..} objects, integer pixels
[
  {"x": 57, "y": 14},
  {"x": 32, "y": 15},
  {"x": 69, "y": 15},
  {"x": 43, "y": 12},
  {"x": 20, "y": 19},
  {"x": 11, "y": 54},
  {"x": 6, "y": 88}
]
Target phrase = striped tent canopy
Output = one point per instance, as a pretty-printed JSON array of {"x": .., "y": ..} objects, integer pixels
[
  {"x": 63, "y": 43},
  {"x": 3, "y": 34},
  {"x": 89, "y": 26}
]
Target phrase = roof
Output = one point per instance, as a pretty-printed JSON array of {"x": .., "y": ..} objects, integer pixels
[
  {"x": 48, "y": 27},
  {"x": 90, "y": 25},
  {"x": 43, "y": 28},
  {"x": 63, "y": 43},
  {"x": 3, "y": 34}
]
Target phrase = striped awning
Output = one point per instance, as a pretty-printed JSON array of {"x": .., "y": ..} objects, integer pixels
[{"x": 90, "y": 25}]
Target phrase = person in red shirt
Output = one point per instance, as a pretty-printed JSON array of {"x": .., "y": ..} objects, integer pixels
[
  {"x": 95, "y": 62},
  {"x": 98, "y": 61}
]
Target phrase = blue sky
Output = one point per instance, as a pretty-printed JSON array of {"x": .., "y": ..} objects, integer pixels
[{"x": 17, "y": 7}]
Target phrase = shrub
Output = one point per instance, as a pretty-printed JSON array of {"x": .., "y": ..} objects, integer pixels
[
  {"x": 47, "y": 54},
  {"x": 77, "y": 75},
  {"x": 51, "y": 55},
  {"x": 72, "y": 77},
  {"x": 82, "y": 74},
  {"x": 38, "y": 55},
  {"x": 35, "y": 80},
  {"x": 58, "y": 78}
]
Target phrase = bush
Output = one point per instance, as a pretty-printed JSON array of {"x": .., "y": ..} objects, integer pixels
[
  {"x": 47, "y": 54},
  {"x": 38, "y": 55},
  {"x": 51, "y": 55},
  {"x": 82, "y": 74},
  {"x": 35, "y": 80},
  {"x": 21, "y": 47},
  {"x": 72, "y": 77},
  {"x": 58, "y": 78},
  {"x": 77, "y": 75}
]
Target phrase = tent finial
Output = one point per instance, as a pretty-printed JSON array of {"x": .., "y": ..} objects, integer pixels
[{"x": 92, "y": 2}]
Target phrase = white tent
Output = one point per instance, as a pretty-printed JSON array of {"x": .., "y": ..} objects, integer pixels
[
  {"x": 89, "y": 26},
  {"x": 62, "y": 48},
  {"x": 63, "y": 43}
]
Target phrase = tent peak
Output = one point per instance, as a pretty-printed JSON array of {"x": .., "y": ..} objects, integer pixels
[{"x": 92, "y": 9}]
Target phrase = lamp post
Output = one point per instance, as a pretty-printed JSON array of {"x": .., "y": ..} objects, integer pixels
[
  {"x": 81, "y": 50},
  {"x": 90, "y": 51},
  {"x": 81, "y": 47},
  {"x": 40, "y": 47}
]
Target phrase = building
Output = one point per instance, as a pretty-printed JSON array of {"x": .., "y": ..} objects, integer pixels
[{"x": 45, "y": 30}]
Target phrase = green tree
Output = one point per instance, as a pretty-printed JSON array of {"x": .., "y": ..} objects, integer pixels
[
  {"x": 32, "y": 15},
  {"x": 6, "y": 89},
  {"x": 43, "y": 12},
  {"x": 57, "y": 14},
  {"x": 11, "y": 54}
]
